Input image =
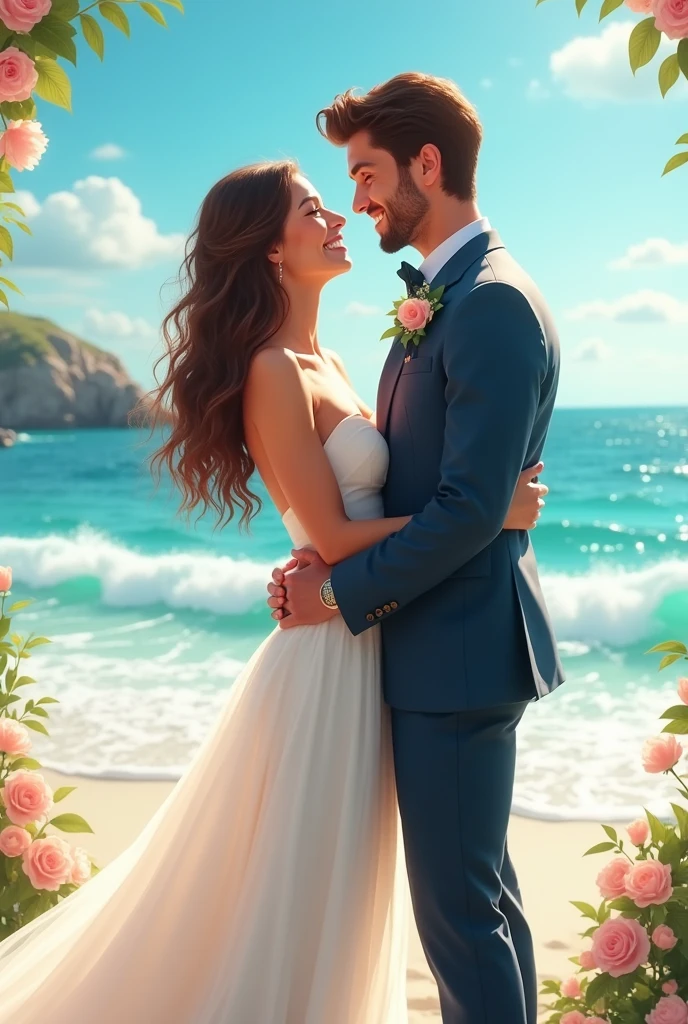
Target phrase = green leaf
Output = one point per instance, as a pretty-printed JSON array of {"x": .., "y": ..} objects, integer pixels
[
  {"x": 682, "y": 819},
  {"x": 586, "y": 909},
  {"x": 70, "y": 823},
  {"x": 5, "y": 624},
  {"x": 18, "y": 605},
  {"x": 683, "y": 141},
  {"x": 153, "y": 12},
  {"x": 57, "y": 35},
  {"x": 679, "y": 727},
  {"x": 3, "y": 298},
  {"x": 37, "y": 641},
  {"x": 608, "y": 7},
  {"x": 24, "y": 227},
  {"x": 6, "y": 183},
  {"x": 676, "y": 161},
  {"x": 669, "y": 73},
  {"x": 580, "y": 4},
  {"x": 62, "y": 792},
  {"x": 678, "y": 922},
  {"x": 671, "y": 852},
  {"x": 673, "y": 646},
  {"x": 644, "y": 43},
  {"x": 392, "y": 333},
  {"x": 611, "y": 832},
  {"x": 600, "y": 848},
  {"x": 174, "y": 3},
  {"x": 625, "y": 906},
  {"x": 657, "y": 829},
  {"x": 48, "y": 700},
  {"x": 23, "y": 111},
  {"x": 5, "y": 33},
  {"x": 30, "y": 763},
  {"x": 677, "y": 711},
  {"x": 682, "y": 55},
  {"x": 599, "y": 988},
  {"x": 113, "y": 13},
  {"x": 668, "y": 660},
  {"x": 53, "y": 84},
  {"x": 36, "y": 726},
  {"x": 680, "y": 896},
  {"x": 23, "y": 681},
  {"x": 40, "y": 712},
  {"x": 65, "y": 9},
  {"x": 6, "y": 243},
  {"x": 93, "y": 34}
]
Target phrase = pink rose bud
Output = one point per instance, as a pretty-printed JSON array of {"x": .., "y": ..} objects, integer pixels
[
  {"x": 683, "y": 690},
  {"x": 14, "y": 841},
  {"x": 620, "y": 945},
  {"x": 23, "y": 144},
  {"x": 571, "y": 988},
  {"x": 661, "y": 753},
  {"x": 611, "y": 880},
  {"x": 5, "y": 579},
  {"x": 663, "y": 937},
  {"x": 22, "y": 15},
  {"x": 18, "y": 76},
  {"x": 27, "y": 797},
  {"x": 48, "y": 863},
  {"x": 587, "y": 960},
  {"x": 414, "y": 314},
  {"x": 640, "y": 6},
  {"x": 574, "y": 1017},
  {"x": 639, "y": 832},
  {"x": 649, "y": 883},
  {"x": 81, "y": 868},
  {"x": 14, "y": 738},
  {"x": 670, "y": 988},
  {"x": 670, "y": 1010},
  {"x": 671, "y": 18}
]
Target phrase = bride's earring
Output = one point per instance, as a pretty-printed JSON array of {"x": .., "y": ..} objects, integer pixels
[{"x": 281, "y": 272}]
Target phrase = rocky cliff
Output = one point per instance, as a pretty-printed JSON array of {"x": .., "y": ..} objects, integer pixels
[{"x": 50, "y": 379}]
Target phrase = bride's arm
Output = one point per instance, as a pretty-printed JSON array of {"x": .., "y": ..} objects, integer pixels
[{"x": 279, "y": 405}]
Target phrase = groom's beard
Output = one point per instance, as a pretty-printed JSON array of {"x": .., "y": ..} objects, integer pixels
[{"x": 404, "y": 214}]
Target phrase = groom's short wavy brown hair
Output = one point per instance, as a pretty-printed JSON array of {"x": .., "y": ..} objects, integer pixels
[{"x": 405, "y": 114}]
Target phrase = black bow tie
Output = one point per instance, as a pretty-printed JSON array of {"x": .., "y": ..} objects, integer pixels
[{"x": 412, "y": 277}]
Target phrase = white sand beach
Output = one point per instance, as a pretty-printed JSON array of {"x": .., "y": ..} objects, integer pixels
[{"x": 547, "y": 856}]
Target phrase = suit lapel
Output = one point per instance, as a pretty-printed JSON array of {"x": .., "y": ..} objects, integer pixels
[{"x": 391, "y": 372}]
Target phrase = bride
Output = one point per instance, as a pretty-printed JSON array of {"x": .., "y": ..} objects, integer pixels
[{"x": 269, "y": 887}]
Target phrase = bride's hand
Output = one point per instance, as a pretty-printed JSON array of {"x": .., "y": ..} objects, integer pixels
[{"x": 528, "y": 500}]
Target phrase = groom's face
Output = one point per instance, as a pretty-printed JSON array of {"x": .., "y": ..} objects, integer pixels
[{"x": 388, "y": 193}]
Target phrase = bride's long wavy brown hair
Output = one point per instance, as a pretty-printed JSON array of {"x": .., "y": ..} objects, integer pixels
[{"x": 232, "y": 303}]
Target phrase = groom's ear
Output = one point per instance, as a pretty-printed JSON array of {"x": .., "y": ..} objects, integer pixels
[{"x": 430, "y": 164}]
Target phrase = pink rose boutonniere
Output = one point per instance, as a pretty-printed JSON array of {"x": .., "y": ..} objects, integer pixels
[{"x": 412, "y": 315}]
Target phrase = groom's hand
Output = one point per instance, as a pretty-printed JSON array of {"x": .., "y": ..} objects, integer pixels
[{"x": 295, "y": 591}]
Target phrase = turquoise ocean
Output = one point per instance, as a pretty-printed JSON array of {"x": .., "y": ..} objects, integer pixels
[{"x": 153, "y": 618}]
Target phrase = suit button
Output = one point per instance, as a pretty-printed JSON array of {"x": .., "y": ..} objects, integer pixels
[
  {"x": 379, "y": 612},
  {"x": 387, "y": 607},
  {"x": 370, "y": 617},
  {"x": 394, "y": 605}
]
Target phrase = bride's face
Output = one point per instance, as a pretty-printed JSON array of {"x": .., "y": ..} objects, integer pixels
[{"x": 312, "y": 247}]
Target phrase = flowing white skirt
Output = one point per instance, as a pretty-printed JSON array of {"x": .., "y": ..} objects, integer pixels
[{"x": 268, "y": 889}]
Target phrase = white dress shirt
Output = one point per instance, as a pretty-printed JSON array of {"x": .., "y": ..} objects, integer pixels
[{"x": 432, "y": 264}]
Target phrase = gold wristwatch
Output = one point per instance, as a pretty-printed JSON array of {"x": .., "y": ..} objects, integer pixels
[{"x": 327, "y": 595}]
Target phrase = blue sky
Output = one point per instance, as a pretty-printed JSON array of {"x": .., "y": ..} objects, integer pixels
[{"x": 570, "y": 171}]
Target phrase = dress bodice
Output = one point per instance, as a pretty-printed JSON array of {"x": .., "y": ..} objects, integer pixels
[{"x": 359, "y": 458}]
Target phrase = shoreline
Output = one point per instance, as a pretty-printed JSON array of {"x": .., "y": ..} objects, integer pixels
[{"x": 547, "y": 855}]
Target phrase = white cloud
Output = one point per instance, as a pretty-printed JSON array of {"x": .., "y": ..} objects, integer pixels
[
  {"x": 655, "y": 252},
  {"x": 486, "y": 83},
  {"x": 360, "y": 309},
  {"x": 592, "y": 350},
  {"x": 536, "y": 90},
  {"x": 99, "y": 223},
  {"x": 597, "y": 67},
  {"x": 109, "y": 151},
  {"x": 643, "y": 307},
  {"x": 115, "y": 325}
]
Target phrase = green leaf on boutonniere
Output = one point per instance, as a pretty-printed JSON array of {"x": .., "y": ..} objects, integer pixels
[
  {"x": 405, "y": 338},
  {"x": 398, "y": 303},
  {"x": 392, "y": 333},
  {"x": 436, "y": 294}
]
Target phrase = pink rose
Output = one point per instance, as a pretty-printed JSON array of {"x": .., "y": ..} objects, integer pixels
[
  {"x": 414, "y": 314},
  {"x": 81, "y": 866},
  {"x": 670, "y": 988},
  {"x": 18, "y": 75},
  {"x": 48, "y": 863},
  {"x": 22, "y": 15},
  {"x": 671, "y": 18},
  {"x": 14, "y": 738},
  {"x": 23, "y": 144},
  {"x": 682, "y": 688},
  {"x": 571, "y": 988},
  {"x": 587, "y": 960},
  {"x": 649, "y": 882},
  {"x": 611, "y": 880},
  {"x": 14, "y": 841},
  {"x": 595, "y": 1020},
  {"x": 661, "y": 753},
  {"x": 663, "y": 937},
  {"x": 640, "y": 6},
  {"x": 670, "y": 1010},
  {"x": 574, "y": 1017},
  {"x": 620, "y": 945},
  {"x": 5, "y": 579},
  {"x": 27, "y": 797},
  {"x": 638, "y": 832}
]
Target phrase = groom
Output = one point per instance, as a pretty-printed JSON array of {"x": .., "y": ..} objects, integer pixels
[{"x": 467, "y": 642}]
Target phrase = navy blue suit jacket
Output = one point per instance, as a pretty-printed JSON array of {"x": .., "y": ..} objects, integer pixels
[{"x": 464, "y": 622}]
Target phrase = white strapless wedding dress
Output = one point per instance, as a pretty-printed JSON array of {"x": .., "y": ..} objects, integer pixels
[{"x": 269, "y": 888}]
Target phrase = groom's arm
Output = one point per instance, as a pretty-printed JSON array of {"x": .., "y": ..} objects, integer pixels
[{"x": 495, "y": 361}]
